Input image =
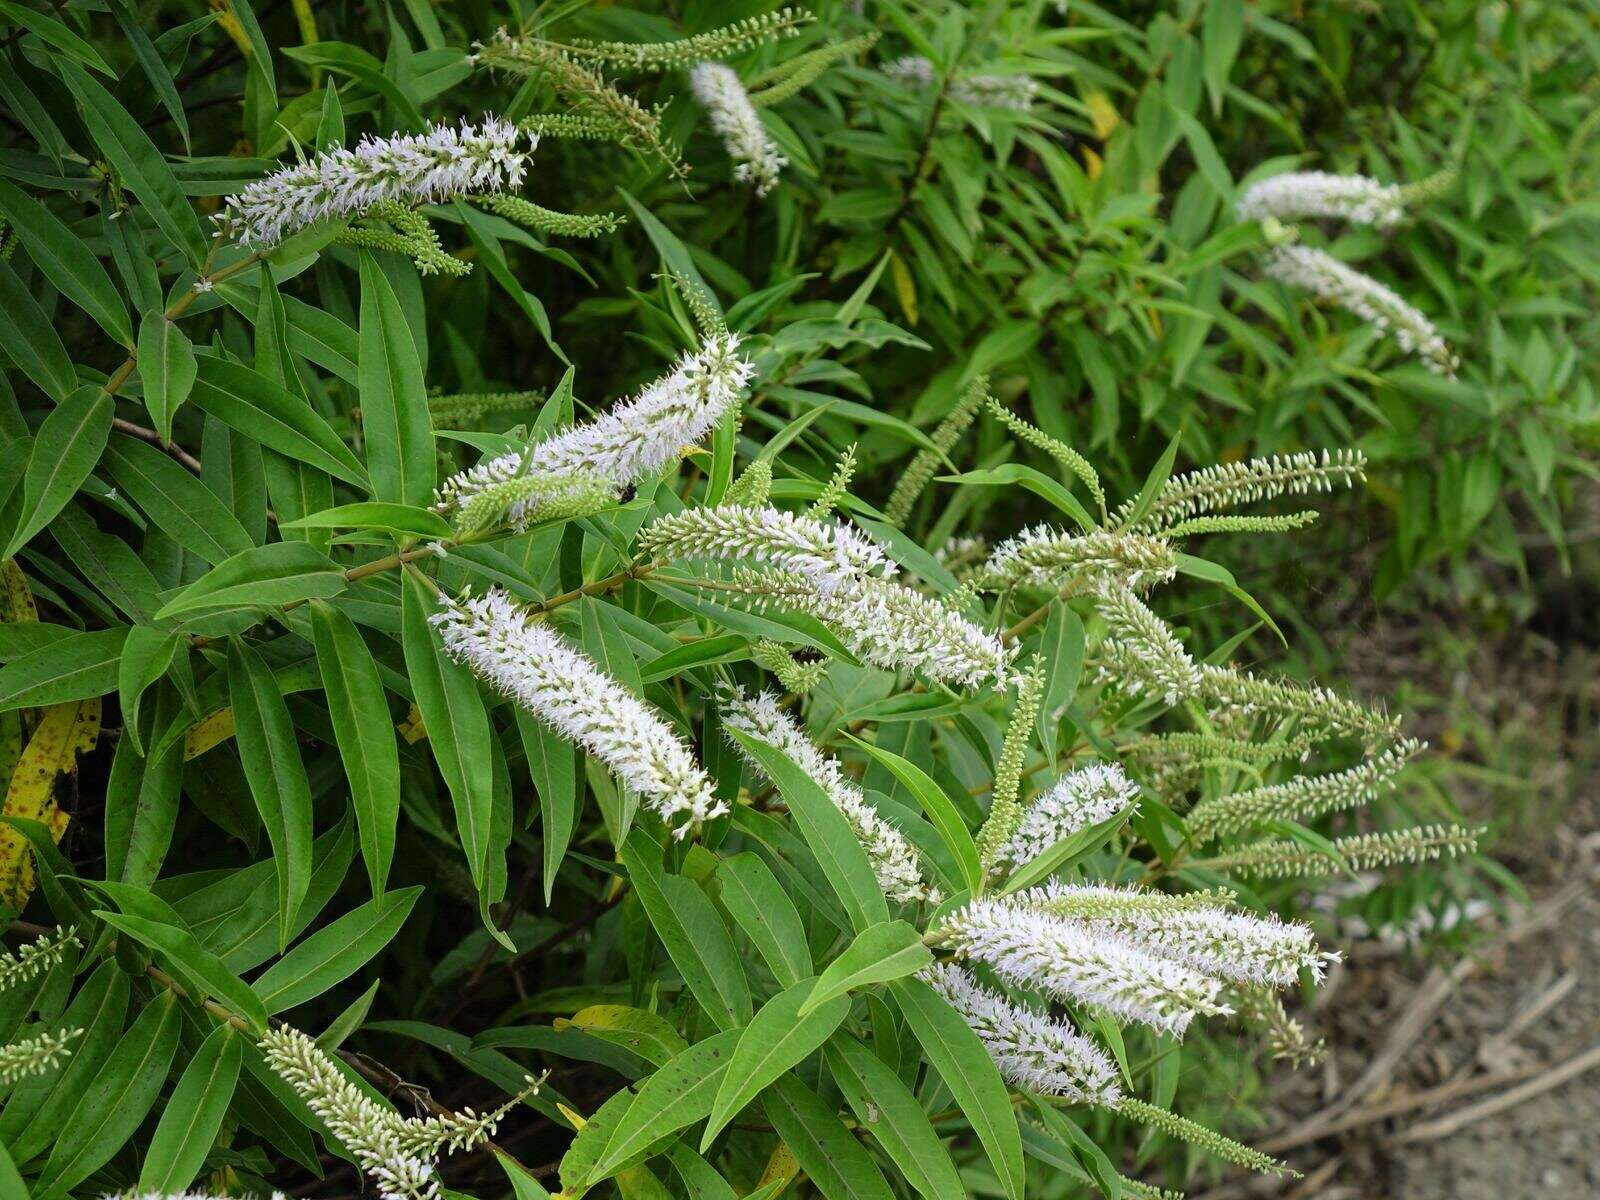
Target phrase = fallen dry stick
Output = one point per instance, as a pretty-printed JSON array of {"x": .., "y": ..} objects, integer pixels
[{"x": 1461, "y": 1118}]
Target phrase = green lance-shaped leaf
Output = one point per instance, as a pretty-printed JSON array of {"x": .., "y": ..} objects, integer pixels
[
  {"x": 678, "y": 1094},
  {"x": 266, "y": 576},
  {"x": 693, "y": 933},
  {"x": 54, "y": 34},
  {"x": 394, "y": 399},
  {"x": 836, "y": 847},
  {"x": 137, "y": 161},
  {"x": 756, "y": 900},
  {"x": 940, "y": 808},
  {"x": 181, "y": 506},
  {"x": 75, "y": 667},
  {"x": 193, "y": 1115},
  {"x": 335, "y": 952},
  {"x": 884, "y": 1105},
  {"x": 892, "y": 950},
  {"x": 554, "y": 765},
  {"x": 829, "y": 1153},
  {"x": 66, "y": 449},
  {"x": 776, "y": 1039},
  {"x": 275, "y": 773},
  {"x": 114, "y": 1105},
  {"x": 201, "y": 972},
  {"x": 267, "y": 412},
  {"x": 66, "y": 261},
  {"x": 31, "y": 341},
  {"x": 1009, "y": 475},
  {"x": 959, "y": 1057},
  {"x": 146, "y": 655},
  {"x": 363, "y": 732},
  {"x": 167, "y": 366},
  {"x": 645, "y": 1034},
  {"x": 404, "y": 519},
  {"x": 457, "y": 724},
  {"x": 38, "y": 1105}
]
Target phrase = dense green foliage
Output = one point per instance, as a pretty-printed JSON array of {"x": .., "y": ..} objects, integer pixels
[{"x": 982, "y": 270}]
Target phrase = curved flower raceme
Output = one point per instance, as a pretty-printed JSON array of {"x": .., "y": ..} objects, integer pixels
[
  {"x": 1236, "y": 946},
  {"x": 528, "y": 661},
  {"x": 890, "y": 625},
  {"x": 722, "y": 95},
  {"x": 1079, "y": 799},
  {"x": 628, "y": 442},
  {"x": 1331, "y": 281},
  {"x": 1076, "y": 962},
  {"x": 829, "y": 553},
  {"x": 1301, "y": 194},
  {"x": 1016, "y": 92},
  {"x": 893, "y": 858},
  {"x": 1033, "y": 1051},
  {"x": 426, "y": 168},
  {"x": 1048, "y": 557}
]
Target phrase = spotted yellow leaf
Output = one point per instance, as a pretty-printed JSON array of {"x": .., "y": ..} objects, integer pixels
[
  {"x": 210, "y": 730},
  {"x": 782, "y": 1167},
  {"x": 64, "y": 732}
]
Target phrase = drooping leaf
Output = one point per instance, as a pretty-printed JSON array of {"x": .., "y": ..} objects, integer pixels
[{"x": 275, "y": 773}]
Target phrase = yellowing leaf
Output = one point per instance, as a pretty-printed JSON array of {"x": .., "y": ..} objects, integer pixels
[
  {"x": 211, "y": 730},
  {"x": 1093, "y": 164},
  {"x": 781, "y": 1168},
  {"x": 412, "y": 728},
  {"x": 64, "y": 732},
  {"x": 16, "y": 601},
  {"x": 573, "y": 1118},
  {"x": 1102, "y": 113},
  {"x": 905, "y": 287}
]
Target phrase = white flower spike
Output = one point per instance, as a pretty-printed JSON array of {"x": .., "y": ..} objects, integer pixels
[
  {"x": 525, "y": 659},
  {"x": 893, "y": 858},
  {"x": 631, "y": 440},
  {"x": 723, "y": 97},
  {"x": 1033, "y": 1051},
  {"x": 445, "y": 162},
  {"x": 1301, "y": 194},
  {"x": 1079, "y": 799},
  {"x": 1331, "y": 281},
  {"x": 1074, "y": 962},
  {"x": 831, "y": 554}
]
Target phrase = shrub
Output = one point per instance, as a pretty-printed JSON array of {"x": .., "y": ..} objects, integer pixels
[{"x": 727, "y": 806}]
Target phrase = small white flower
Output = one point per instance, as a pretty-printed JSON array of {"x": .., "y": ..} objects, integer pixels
[
  {"x": 202, "y": 286},
  {"x": 528, "y": 661},
  {"x": 1236, "y": 946},
  {"x": 1016, "y": 92},
  {"x": 829, "y": 553},
  {"x": 892, "y": 626},
  {"x": 1331, "y": 281},
  {"x": 723, "y": 97},
  {"x": 631, "y": 440},
  {"x": 445, "y": 162},
  {"x": 1301, "y": 194},
  {"x": 1079, "y": 799},
  {"x": 1048, "y": 557},
  {"x": 893, "y": 858},
  {"x": 1032, "y": 1050},
  {"x": 1074, "y": 962},
  {"x": 371, "y": 1132},
  {"x": 1144, "y": 655}
]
